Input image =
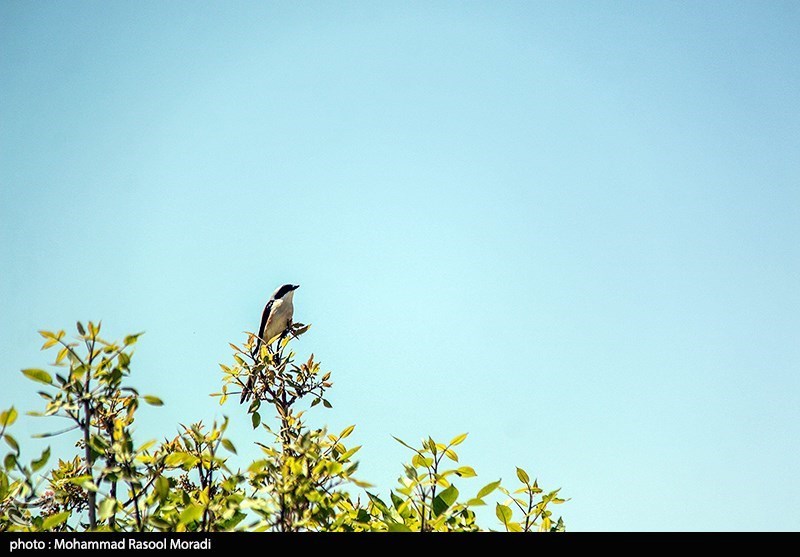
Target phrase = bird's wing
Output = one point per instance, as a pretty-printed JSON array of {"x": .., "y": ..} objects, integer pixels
[{"x": 264, "y": 319}]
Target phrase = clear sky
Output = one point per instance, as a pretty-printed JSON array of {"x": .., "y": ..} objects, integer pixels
[{"x": 567, "y": 228}]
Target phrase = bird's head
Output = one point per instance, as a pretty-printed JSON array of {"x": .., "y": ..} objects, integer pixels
[{"x": 284, "y": 290}]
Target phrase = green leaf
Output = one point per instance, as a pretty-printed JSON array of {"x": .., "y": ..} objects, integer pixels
[
  {"x": 421, "y": 461},
  {"x": 42, "y": 460},
  {"x": 131, "y": 339},
  {"x": 107, "y": 508},
  {"x": 466, "y": 472},
  {"x": 81, "y": 481},
  {"x": 458, "y": 439},
  {"x": 8, "y": 417},
  {"x": 334, "y": 468},
  {"x": 54, "y": 520},
  {"x": 48, "y": 343},
  {"x": 487, "y": 489},
  {"x": 431, "y": 444},
  {"x": 191, "y": 513},
  {"x": 397, "y": 527},
  {"x": 514, "y": 527},
  {"x": 81, "y": 330},
  {"x": 3, "y": 485},
  {"x": 39, "y": 375},
  {"x": 523, "y": 476},
  {"x": 160, "y": 523},
  {"x": 11, "y": 442},
  {"x": 79, "y": 371},
  {"x": 326, "y": 404},
  {"x": 161, "y": 487},
  {"x": 475, "y": 502},
  {"x": 182, "y": 459},
  {"x": 228, "y": 445},
  {"x": 503, "y": 512},
  {"x": 406, "y": 445},
  {"x": 9, "y": 461},
  {"x": 256, "y": 419},
  {"x": 349, "y": 453},
  {"x": 451, "y": 454},
  {"x": 396, "y": 501},
  {"x": 98, "y": 444},
  {"x": 153, "y": 400},
  {"x": 444, "y": 500},
  {"x": 146, "y": 445},
  {"x": 378, "y": 503}
]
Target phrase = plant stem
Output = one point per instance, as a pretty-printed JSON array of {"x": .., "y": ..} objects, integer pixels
[{"x": 92, "y": 496}]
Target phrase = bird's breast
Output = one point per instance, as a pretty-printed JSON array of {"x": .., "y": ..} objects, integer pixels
[{"x": 279, "y": 318}]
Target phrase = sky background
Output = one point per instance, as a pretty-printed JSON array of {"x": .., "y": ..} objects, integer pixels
[{"x": 567, "y": 228}]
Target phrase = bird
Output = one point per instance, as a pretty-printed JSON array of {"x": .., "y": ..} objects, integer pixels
[{"x": 275, "y": 320}]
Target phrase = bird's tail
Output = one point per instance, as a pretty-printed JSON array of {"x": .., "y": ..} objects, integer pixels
[
  {"x": 257, "y": 349},
  {"x": 248, "y": 389}
]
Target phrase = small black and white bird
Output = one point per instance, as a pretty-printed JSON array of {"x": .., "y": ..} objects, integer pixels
[{"x": 275, "y": 320}]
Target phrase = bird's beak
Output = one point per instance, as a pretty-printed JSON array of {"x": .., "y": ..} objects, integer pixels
[{"x": 295, "y": 286}]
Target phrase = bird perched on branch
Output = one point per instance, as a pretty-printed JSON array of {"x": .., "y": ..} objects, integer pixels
[{"x": 276, "y": 320}]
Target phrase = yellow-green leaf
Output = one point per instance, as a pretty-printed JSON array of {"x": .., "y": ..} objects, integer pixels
[
  {"x": 54, "y": 520},
  {"x": 162, "y": 487},
  {"x": 346, "y": 431},
  {"x": 39, "y": 375},
  {"x": 131, "y": 339},
  {"x": 191, "y": 513},
  {"x": 228, "y": 445},
  {"x": 398, "y": 527},
  {"x": 106, "y": 508},
  {"x": 153, "y": 400},
  {"x": 487, "y": 489},
  {"x": 42, "y": 460},
  {"x": 466, "y": 472},
  {"x": 445, "y": 500},
  {"x": 523, "y": 476},
  {"x": 8, "y": 417},
  {"x": 458, "y": 439},
  {"x": 11, "y": 442},
  {"x": 503, "y": 512},
  {"x": 182, "y": 459},
  {"x": 49, "y": 342},
  {"x": 406, "y": 445},
  {"x": 349, "y": 453}
]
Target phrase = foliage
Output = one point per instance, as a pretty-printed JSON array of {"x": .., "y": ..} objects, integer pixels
[{"x": 304, "y": 479}]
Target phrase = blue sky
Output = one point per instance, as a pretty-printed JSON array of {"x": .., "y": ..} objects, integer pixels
[{"x": 568, "y": 228}]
